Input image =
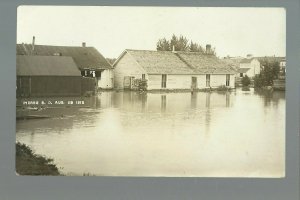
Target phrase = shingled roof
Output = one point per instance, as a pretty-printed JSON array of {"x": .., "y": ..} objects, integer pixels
[
  {"x": 247, "y": 60},
  {"x": 243, "y": 70},
  {"x": 167, "y": 62},
  {"x": 205, "y": 63},
  {"x": 160, "y": 62},
  {"x": 235, "y": 63},
  {"x": 46, "y": 66},
  {"x": 84, "y": 57}
]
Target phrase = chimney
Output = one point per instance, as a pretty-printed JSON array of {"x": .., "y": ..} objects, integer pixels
[
  {"x": 33, "y": 42},
  {"x": 208, "y": 49},
  {"x": 83, "y": 44}
]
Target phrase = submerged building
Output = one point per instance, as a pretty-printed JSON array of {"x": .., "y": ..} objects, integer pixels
[
  {"x": 249, "y": 66},
  {"x": 42, "y": 76},
  {"x": 88, "y": 60},
  {"x": 172, "y": 70}
]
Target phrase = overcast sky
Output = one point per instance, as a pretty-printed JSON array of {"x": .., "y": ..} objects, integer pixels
[{"x": 232, "y": 31}]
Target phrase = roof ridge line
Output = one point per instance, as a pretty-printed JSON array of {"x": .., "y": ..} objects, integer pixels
[{"x": 184, "y": 61}]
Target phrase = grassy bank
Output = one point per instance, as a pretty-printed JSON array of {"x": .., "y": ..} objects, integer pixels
[{"x": 29, "y": 163}]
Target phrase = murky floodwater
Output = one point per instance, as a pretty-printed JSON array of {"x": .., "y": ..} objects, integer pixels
[{"x": 241, "y": 133}]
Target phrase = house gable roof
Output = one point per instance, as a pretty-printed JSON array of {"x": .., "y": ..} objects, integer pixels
[
  {"x": 46, "y": 66},
  {"x": 243, "y": 70},
  {"x": 247, "y": 60},
  {"x": 160, "y": 62},
  {"x": 235, "y": 63},
  {"x": 167, "y": 62},
  {"x": 84, "y": 57},
  {"x": 206, "y": 63}
]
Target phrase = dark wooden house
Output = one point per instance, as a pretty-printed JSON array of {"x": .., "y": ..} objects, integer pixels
[
  {"x": 88, "y": 60},
  {"x": 50, "y": 76}
]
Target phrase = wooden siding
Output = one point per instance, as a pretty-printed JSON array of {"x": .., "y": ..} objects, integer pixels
[
  {"x": 127, "y": 66},
  {"x": 106, "y": 81},
  {"x": 254, "y": 66},
  {"x": 40, "y": 86},
  {"x": 185, "y": 81}
]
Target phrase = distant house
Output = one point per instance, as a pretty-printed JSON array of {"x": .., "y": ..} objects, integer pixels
[
  {"x": 282, "y": 65},
  {"x": 172, "y": 70},
  {"x": 87, "y": 59},
  {"x": 48, "y": 76},
  {"x": 249, "y": 66},
  {"x": 234, "y": 62}
]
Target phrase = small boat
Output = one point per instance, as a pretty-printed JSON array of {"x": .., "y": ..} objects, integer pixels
[
  {"x": 25, "y": 117},
  {"x": 30, "y": 113}
]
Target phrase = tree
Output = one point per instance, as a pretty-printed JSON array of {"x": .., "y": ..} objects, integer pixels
[
  {"x": 180, "y": 43},
  {"x": 163, "y": 45},
  {"x": 269, "y": 72},
  {"x": 194, "y": 47},
  {"x": 258, "y": 81},
  {"x": 246, "y": 81}
]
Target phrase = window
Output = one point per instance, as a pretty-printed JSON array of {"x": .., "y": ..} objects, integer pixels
[
  {"x": 207, "y": 80},
  {"x": 227, "y": 79},
  {"x": 241, "y": 75},
  {"x": 163, "y": 81},
  {"x": 143, "y": 76}
]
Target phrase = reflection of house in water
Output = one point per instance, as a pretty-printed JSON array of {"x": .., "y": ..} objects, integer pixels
[
  {"x": 194, "y": 100},
  {"x": 207, "y": 112},
  {"x": 105, "y": 100},
  {"x": 207, "y": 102},
  {"x": 271, "y": 98},
  {"x": 163, "y": 103},
  {"x": 144, "y": 101},
  {"x": 227, "y": 99},
  {"x": 167, "y": 102},
  {"x": 131, "y": 101}
]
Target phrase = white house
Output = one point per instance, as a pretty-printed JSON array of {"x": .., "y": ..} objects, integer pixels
[
  {"x": 172, "y": 70},
  {"x": 282, "y": 65},
  {"x": 249, "y": 66}
]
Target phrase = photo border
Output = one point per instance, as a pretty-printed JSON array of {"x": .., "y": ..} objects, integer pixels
[{"x": 51, "y": 188}]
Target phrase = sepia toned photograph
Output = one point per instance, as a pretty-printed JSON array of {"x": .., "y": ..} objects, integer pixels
[{"x": 150, "y": 91}]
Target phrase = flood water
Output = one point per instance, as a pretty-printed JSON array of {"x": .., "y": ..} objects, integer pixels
[{"x": 217, "y": 134}]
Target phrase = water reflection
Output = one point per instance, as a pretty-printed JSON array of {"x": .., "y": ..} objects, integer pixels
[
  {"x": 163, "y": 103},
  {"x": 194, "y": 100},
  {"x": 207, "y": 113},
  {"x": 173, "y": 134},
  {"x": 271, "y": 98},
  {"x": 227, "y": 99}
]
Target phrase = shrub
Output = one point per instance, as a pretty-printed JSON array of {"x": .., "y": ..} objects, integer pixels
[
  {"x": 258, "y": 81},
  {"x": 143, "y": 85},
  {"x": 269, "y": 72},
  {"x": 245, "y": 81},
  {"x": 29, "y": 163},
  {"x": 222, "y": 88}
]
